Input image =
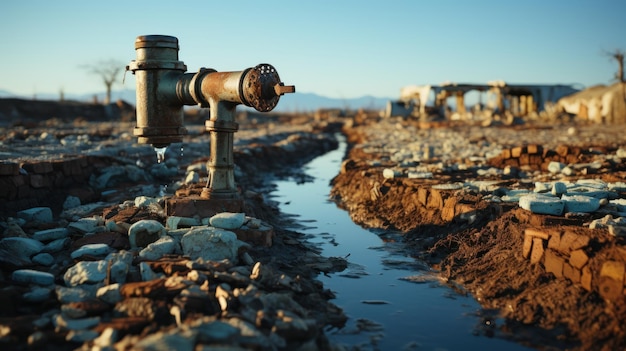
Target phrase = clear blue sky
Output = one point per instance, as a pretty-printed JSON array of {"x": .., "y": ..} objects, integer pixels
[{"x": 340, "y": 49}]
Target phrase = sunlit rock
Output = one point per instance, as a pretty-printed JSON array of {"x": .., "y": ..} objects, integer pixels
[
  {"x": 85, "y": 272},
  {"x": 227, "y": 220},
  {"x": 163, "y": 246},
  {"x": 144, "y": 232},
  {"x": 580, "y": 203},
  {"x": 211, "y": 244},
  {"x": 542, "y": 204}
]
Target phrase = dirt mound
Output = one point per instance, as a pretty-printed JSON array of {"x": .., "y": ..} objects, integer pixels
[{"x": 557, "y": 283}]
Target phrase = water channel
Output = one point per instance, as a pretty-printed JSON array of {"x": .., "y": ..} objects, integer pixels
[{"x": 394, "y": 300}]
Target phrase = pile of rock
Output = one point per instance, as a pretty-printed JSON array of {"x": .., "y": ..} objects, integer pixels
[{"x": 100, "y": 282}]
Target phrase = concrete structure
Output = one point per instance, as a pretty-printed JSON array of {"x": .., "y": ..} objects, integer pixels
[
  {"x": 517, "y": 99},
  {"x": 600, "y": 104}
]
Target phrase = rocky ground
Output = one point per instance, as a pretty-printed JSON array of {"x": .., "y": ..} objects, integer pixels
[
  {"x": 476, "y": 202},
  {"x": 528, "y": 218},
  {"x": 90, "y": 258}
]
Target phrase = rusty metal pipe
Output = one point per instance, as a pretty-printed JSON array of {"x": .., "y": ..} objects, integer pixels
[{"x": 163, "y": 88}]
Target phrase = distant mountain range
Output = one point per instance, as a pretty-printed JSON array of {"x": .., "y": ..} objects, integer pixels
[{"x": 298, "y": 102}]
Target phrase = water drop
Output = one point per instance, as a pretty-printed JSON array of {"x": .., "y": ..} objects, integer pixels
[
  {"x": 181, "y": 151},
  {"x": 160, "y": 152}
]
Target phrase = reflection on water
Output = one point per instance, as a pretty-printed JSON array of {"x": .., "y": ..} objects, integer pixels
[{"x": 394, "y": 302}]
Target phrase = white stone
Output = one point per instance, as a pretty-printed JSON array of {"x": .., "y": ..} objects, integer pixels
[
  {"x": 110, "y": 293},
  {"x": 580, "y": 203},
  {"x": 617, "y": 186},
  {"x": 419, "y": 175},
  {"x": 86, "y": 272},
  {"x": 555, "y": 167},
  {"x": 107, "y": 339},
  {"x": 44, "y": 259},
  {"x": 175, "y": 222},
  {"x": 448, "y": 186},
  {"x": 227, "y": 220},
  {"x": 192, "y": 177},
  {"x": 91, "y": 250},
  {"x": 542, "y": 187},
  {"x": 591, "y": 191},
  {"x": 144, "y": 232},
  {"x": 50, "y": 234},
  {"x": 156, "y": 250},
  {"x": 620, "y": 204},
  {"x": 542, "y": 204},
  {"x": 30, "y": 276},
  {"x": 559, "y": 188},
  {"x": 389, "y": 173},
  {"x": 211, "y": 244},
  {"x": 144, "y": 201},
  {"x": 36, "y": 214},
  {"x": 72, "y": 294}
]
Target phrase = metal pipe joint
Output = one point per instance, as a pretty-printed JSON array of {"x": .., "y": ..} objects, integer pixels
[{"x": 164, "y": 87}]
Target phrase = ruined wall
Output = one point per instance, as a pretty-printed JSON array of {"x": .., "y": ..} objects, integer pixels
[
  {"x": 44, "y": 183},
  {"x": 599, "y": 104}
]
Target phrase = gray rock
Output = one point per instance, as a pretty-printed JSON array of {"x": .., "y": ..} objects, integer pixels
[
  {"x": 91, "y": 250},
  {"x": 50, "y": 234},
  {"x": 44, "y": 259},
  {"x": 227, "y": 220},
  {"x": 85, "y": 225},
  {"x": 86, "y": 272},
  {"x": 73, "y": 294},
  {"x": 177, "y": 339},
  {"x": 555, "y": 167},
  {"x": 542, "y": 204},
  {"x": 71, "y": 202},
  {"x": 211, "y": 244},
  {"x": 145, "y": 201},
  {"x": 81, "y": 336},
  {"x": 110, "y": 293},
  {"x": 37, "y": 294},
  {"x": 56, "y": 245},
  {"x": 192, "y": 177},
  {"x": 60, "y": 321},
  {"x": 559, "y": 188},
  {"x": 18, "y": 251},
  {"x": 30, "y": 276},
  {"x": 36, "y": 215},
  {"x": 580, "y": 203},
  {"x": 144, "y": 232},
  {"x": 175, "y": 222},
  {"x": 147, "y": 273},
  {"x": 120, "y": 265},
  {"x": 154, "y": 251},
  {"x": 215, "y": 331}
]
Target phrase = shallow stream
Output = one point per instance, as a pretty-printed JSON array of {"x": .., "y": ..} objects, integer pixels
[{"x": 393, "y": 301}]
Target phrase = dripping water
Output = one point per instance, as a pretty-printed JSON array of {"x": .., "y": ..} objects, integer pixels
[{"x": 160, "y": 153}]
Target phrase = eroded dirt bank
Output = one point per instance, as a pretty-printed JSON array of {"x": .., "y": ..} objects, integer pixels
[{"x": 558, "y": 283}]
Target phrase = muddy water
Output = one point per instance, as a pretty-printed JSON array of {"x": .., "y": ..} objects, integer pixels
[{"x": 393, "y": 302}]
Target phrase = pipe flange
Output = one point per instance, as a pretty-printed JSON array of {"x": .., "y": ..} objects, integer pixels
[{"x": 257, "y": 87}]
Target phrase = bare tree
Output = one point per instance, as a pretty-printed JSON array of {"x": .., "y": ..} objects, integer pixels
[
  {"x": 618, "y": 55},
  {"x": 109, "y": 71}
]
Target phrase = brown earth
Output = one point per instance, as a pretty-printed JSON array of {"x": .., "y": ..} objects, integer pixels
[{"x": 546, "y": 301}]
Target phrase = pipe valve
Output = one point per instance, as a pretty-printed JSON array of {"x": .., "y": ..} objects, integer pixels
[{"x": 163, "y": 88}]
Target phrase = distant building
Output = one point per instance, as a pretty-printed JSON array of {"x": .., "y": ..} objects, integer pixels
[
  {"x": 495, "y": 97},
  {"x": 599, "y": 104}
]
